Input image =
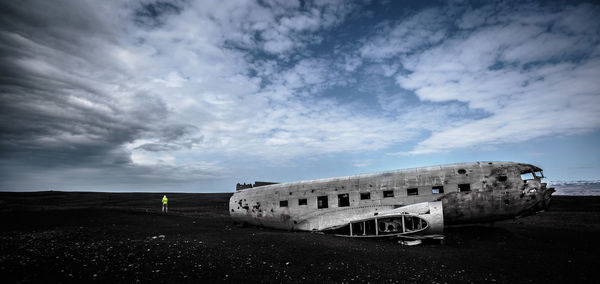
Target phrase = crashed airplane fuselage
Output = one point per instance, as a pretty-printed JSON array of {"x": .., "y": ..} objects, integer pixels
[{"x": 401, "y": 202}]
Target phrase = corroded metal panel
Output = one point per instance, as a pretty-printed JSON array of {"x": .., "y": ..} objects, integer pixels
[{"x": 489, "y": 191}]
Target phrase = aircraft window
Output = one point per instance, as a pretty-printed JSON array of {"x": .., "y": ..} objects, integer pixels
[
  {"x": 437, "y": 189},
  {"x": 539, "y": 174},
  {"x": 322, "y": 202},
  {"x": 343, "y": 200},
  {"x": 365, "y": 195},
  {"x": 283, "y": 203},
  {"x": 464, "y": 187},
  {"x": 412, "y": 191},
  {"x": 527, "y": 176},
  {"x": 302, "y": 201},
  {"x": 388, "y": 193},
  {"x": 502, "y": 178},
  {"x": 462, "y": 171}
]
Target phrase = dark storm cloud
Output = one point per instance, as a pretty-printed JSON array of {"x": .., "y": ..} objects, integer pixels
[
  {"x": 158, "y": 147},
  {"x": 177, "y": 131},
  {"x": 60, "y": 103},
  {"x": 71, "y": 103},
  {"x": 173, "y": 137}
]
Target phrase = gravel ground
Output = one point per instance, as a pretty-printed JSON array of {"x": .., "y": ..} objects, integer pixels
[{"x": 123, "y": 237}]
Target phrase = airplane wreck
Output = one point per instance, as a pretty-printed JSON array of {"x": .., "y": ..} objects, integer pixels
[{"x": 407, "y": 202}]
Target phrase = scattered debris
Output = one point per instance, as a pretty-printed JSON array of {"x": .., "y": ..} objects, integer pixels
[{"x": 410, "y": 243}]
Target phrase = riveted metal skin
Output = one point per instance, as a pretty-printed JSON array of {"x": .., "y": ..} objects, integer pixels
[{"x": 461, "y": 193}]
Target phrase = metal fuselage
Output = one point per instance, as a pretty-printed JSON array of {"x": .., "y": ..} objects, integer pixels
[{"x": 469, "y": 193}]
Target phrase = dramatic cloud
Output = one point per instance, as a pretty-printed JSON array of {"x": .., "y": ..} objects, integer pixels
[
  {"x": 160, "y": 93},
  {"x": 531, "y": 68}
]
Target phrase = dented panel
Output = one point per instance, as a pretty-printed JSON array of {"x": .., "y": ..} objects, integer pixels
[{"x": 464, "y": 193}]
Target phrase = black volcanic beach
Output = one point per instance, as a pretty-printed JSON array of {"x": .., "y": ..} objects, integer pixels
[{"x": 123, "y": 237}]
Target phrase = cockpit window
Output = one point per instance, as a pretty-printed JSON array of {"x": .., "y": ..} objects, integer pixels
[
  {"x": 527, "y": 176},
  {"x": 539, "y": 174}
]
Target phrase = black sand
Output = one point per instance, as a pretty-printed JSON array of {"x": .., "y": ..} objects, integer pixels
[{"x": 110, "y": 237}]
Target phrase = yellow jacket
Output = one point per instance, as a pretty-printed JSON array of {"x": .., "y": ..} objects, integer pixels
[{"x": 165, "y": 200}]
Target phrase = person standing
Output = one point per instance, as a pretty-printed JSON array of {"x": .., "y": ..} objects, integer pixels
[{"x": 165, "y": 200}]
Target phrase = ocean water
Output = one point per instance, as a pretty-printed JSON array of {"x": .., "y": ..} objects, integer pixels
[{"x": 589, "y": 188}]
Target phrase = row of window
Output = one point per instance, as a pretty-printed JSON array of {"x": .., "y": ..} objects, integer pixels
[{"x": 344, "y": 199}]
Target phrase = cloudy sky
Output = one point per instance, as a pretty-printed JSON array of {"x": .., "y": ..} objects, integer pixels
[{"x": 200, "y": 95}]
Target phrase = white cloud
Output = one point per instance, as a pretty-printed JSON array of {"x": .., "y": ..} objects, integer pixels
[
  {"x": 241, "y": 79},
  {"x": 424, "y": 28},
  {"x": 271, "y": 116},
  {"x": 173, "y": 80},
  {"x": 527, "y": 69},
  {"x": 363, "y": 163},
  {"x": 144, "y": 158},
  {"x": 533, "y": 80}
]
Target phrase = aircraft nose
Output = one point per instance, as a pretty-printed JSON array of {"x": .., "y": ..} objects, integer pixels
[
  {"x": 544, "y": 195},
  {"x": 547, "y": 195}
]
